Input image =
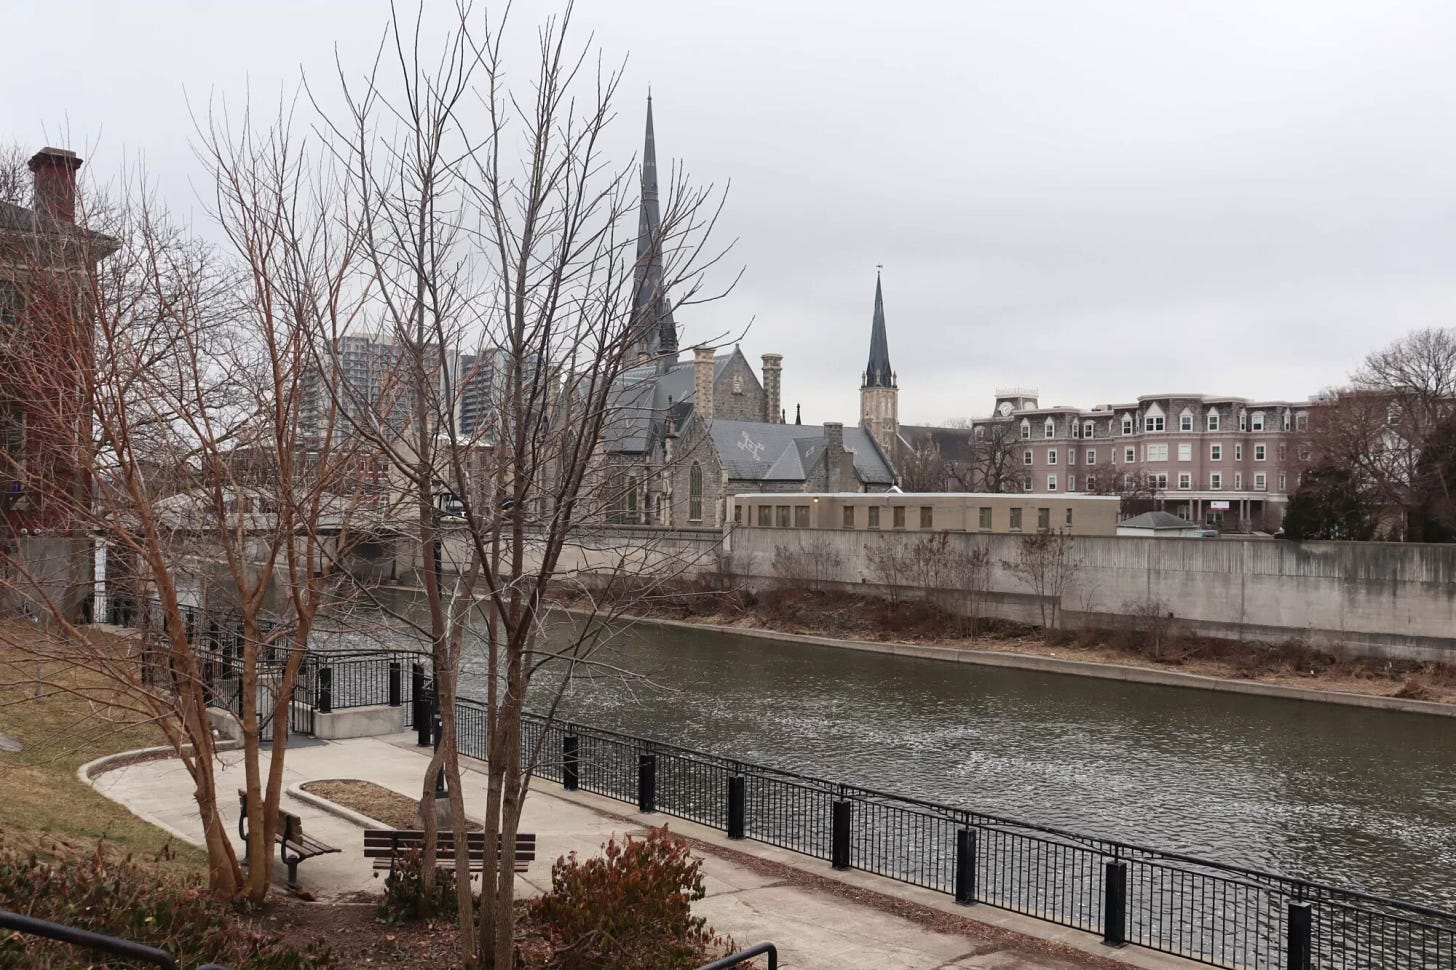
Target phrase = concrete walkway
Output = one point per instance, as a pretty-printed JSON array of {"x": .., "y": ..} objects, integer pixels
[{"x": 813, "y": 928}]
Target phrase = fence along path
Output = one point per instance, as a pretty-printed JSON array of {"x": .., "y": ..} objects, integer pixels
[{"x": 1221, "y": 915}]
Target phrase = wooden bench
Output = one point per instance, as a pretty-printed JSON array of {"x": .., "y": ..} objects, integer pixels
[
  {"x": 293, "y": 845},
  {"x": 386, "y": 846}
]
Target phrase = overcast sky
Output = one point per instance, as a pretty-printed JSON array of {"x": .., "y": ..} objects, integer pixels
[{"x": 1099, "y": 198}]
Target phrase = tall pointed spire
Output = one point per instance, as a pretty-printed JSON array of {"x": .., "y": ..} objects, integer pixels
[
  {"x": 878, "y": 372},
  {"x": 651, "y": 307}
]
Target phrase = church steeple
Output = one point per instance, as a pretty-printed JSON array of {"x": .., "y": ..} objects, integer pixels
[
  {"x": 878, "y": 372},
  {"x": 651, "y": 307}
]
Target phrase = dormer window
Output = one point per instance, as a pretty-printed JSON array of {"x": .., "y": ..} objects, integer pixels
[
  {"x": 1153, "y": 418},
  {"x": 1185, "y": 420},
  {"x": 1256, "y": 421},
  {"x": 1049, "y": 429},
  {"x": 1212, "y": 424},
  {"x": 1025, "y": 429},
  {"x": 1243, "y": 421},
  {"x": 1127, "y": 424},
  {"x": 1087, "y": 429}
]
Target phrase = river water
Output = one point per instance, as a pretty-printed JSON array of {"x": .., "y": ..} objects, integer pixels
[{"x": 1361, "y": 798}]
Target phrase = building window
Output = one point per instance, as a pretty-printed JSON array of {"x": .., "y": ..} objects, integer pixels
[
  {"x": 1238, "y": 451},
  {"x": 1069, "y": 516},
  {"x": 765, "y": 515},
  {"x": 1238, "y": 481},
  {"x": 1126, "y": 424},
  {"x": 1091, "y": 483},
  {"x": 1153, "y": 422},
  {"x": 1261, "y": 484},
  {"x": 782, "y": 519},
  {"x": 1076, "y": 429},
  {"x": 801, "y": 516},
  {"x": 1025, "y": 429},
  {"x": 1015, "y": 520},
  {"x": 695, "y": 493},
  {"x": 1281, "y": 482},
  {"x": 1159, "y": 481},
  {"x": 1157, "y": 452},
  {"x": 927, "y": 517},
  {"x": 1185, "y": 481},
  {"x": 1071, "y": 483},
  {"x": 1281, "y": 452},
  {"x": 1256, "y": 421},
  {"x": 1071, "y": 456},
  {"x": 1051, "y": 483},
  {"x": 737, "y": 513},
  {"x": 737, "y": 383},
  {"x": 1304, "y": 452},
  {"x": 1129, "y": 455},
  {"x": 1049, "y": 430},
  {"x": 1243, "y": 421},
  {"x": 1301, "y": 421},
  {"x": 1212, "y": 420},
  {"x": 1285, "y": 419},
  {"x": 1026, "y": 482},
  {"x": 1259, "y": 452},
  {"x": 1185, "y": 421},
  {"x": 1051, "y": 456},
  {"x": 1185, "y": 451},
  {"x": 1026, "y": 457},
  {"x": 12, "y": 305},
  {"x": 1215, "y": 452},
  {"x": 1088, "y": 429},
  {"x": 849, "y": 516},
  {"x": 1215, "y": 481},
  {"x": 1043, "y": 519},
  {"x": 874, "y": 522},
  {"x": 985, "y": 520},
  {"x": 1091, "y": 456},
  {"x": 897, "y": 517},
  {"x": 980, "y": 433}
]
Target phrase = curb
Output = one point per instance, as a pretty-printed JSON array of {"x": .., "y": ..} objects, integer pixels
[
  {"x": 91, "y": 770},
  {"x": 333, "y": 808},
  {"x": 1076, "y": 668}
]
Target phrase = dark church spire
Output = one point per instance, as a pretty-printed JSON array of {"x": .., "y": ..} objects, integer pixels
[
  {"x": 651, "y": 307},
  {"x": 878, "y": 372}
]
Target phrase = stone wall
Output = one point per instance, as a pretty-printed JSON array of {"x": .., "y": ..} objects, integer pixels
[{"x": 1383, "y": 599}]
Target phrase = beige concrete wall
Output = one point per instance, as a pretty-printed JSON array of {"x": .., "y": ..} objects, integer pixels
[{"x": 1384, "y": 599}]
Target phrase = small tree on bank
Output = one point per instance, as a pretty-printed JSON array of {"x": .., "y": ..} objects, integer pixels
[{"x": 1044, "y": 565}]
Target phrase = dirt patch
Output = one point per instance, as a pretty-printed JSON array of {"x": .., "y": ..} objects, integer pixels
[{"x": 384, "y": 805}]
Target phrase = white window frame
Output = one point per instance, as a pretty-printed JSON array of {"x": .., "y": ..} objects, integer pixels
[
  {"x": 1261, "y": 482},
  {"x": 1243, "y": 420},
  {"x": 1089, "y": 429},
  {"x": 1091, "y": 456},
  {"x": 1127, "y": 424},
  {"x": 1185, "y": 421},
  {"x": 1025, "y": 430},
  {"x": 1153, "y": 422},
  {"x": 1026, "y": 458},
  {"x": 1185, "y": 481},
  {"x": 1159, "y": 480},
  {"x": 1049, "y": 428},
  {"x": 1051, "y": 456},
  {"x": 1051, "y": 483},
  {"x": 1071, "y": 456},
  {"x": 1215, "y": 481},
  {"x": 1211, "y": 422},
  {"x": 1158, "y": 452},
  {"x": 1129, "y": 456},
  {"x": 1071, "y": 483},
  {"x": 1283, "y": 482},
  {"x": 1215, "y": 452},
  {"x": 1261, "y": 451},
  {"x": 1256, "y": 421},
  {"x": 1185, "y": 451},
  {"x": 1238, "y": 481},
  {"x": 1301, "y": 421},
  {"x": 1026, "y": 482},
  {"x": 1238, "y": 451}
]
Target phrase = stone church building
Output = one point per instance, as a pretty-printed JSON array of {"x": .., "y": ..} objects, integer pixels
[{"x": 688, "y": 434}]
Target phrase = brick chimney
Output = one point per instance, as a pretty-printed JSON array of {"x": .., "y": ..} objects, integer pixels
[
  {"x": 773, "y": 367},
  {"x": 55, "y": 183},
  {"x": 703, "y": 367},
  {"x": 833, "y": 455}
]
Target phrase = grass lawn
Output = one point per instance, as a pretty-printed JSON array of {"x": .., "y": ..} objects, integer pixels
[{"x": 43, "y": 801}]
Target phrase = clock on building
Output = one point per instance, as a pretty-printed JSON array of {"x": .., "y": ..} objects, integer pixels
[{"x": 1005, "y": 408}]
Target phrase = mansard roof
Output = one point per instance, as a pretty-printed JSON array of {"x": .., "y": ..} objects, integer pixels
[{"x": 758, "y": 451}]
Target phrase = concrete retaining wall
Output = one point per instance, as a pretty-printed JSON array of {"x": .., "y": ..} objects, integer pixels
[{"x": 1383, "y": 599}]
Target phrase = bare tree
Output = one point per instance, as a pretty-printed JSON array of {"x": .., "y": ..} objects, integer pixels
[
  {"x": 1044, "y": 564},
  {"x": 922, "y": 467},
  {"x": 809, "y": 560},
  {"x": 995, "y": 460}
]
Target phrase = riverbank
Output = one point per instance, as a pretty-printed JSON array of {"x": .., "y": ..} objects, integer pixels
[{"x": 1293, "y": 670}]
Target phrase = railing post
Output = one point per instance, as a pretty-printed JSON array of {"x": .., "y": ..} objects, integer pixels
[
  {"x": 325, "y": 690},
  {"x": 570, "y": 762},
  {"x": 395, "y": 685},
  {"x": 839, "y": 842},
  {"x": 647, "y": 782},
  {"x": 737, "y": 806},
  {"x": 965, "y": 867},
  {"x": 421, "y": 706},
  {"x": 438, "y": 729},
  {"x": 1301, "y": 933},
  {"x": 1114, "y": 904}
]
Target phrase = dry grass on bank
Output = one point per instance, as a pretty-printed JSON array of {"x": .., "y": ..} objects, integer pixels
[
  {"x": 74, "y": 717},
  {"x": 1140, "y": 642}
]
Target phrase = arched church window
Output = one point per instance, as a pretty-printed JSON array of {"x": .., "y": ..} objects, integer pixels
[{"x": 695, "y": 493}]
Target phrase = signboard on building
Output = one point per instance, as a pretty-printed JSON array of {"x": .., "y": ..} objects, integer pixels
[{"x": 1219, "y": 505}]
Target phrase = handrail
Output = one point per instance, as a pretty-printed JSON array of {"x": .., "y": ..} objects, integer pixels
[
  {"x": 92, "y": 941},
  {"x": 733, "y": 959}
]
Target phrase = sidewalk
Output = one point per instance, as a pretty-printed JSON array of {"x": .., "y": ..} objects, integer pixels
[{"x": 813, "y": 927}]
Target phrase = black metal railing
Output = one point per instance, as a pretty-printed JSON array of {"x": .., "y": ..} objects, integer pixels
[
  {"x": 98, "y": 942},
  {"x": 734, "y": 959},
  {"x": 1215, "y": 913}
]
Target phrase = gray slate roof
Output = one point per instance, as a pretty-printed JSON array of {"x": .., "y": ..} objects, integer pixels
[
  {"x": 1157, "y": 520},
  {"x": 954, "y": 444},
  {"x": 641, "y": 399},
  {"x": 761, "y": 452}
]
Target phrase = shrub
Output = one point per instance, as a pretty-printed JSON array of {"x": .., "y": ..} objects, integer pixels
[
  {"x": 124, "y": 900},
  {"x": 405, "y": 896},
  {"x": 628, "y": 909}
]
